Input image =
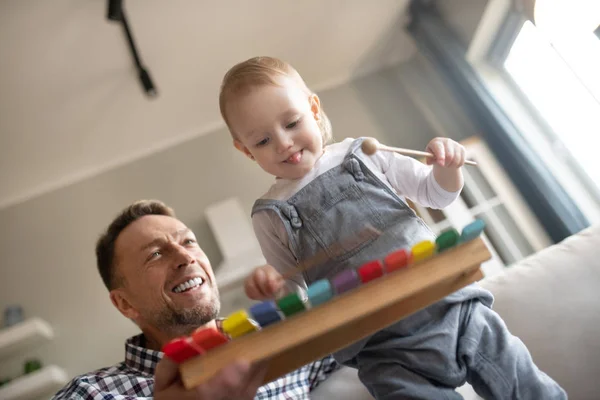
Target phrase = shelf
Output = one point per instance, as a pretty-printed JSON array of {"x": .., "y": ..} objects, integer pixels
[
  {"x": 43, "y": 382},
  {"x": 24, "y": 335}
]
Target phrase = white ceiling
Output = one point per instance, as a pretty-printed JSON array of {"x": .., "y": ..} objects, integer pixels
[{"x": 71, "y": 105}]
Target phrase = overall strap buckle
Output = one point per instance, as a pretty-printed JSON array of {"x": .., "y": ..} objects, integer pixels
[
  {"x": 353, "y": 166},
  {"x": 291, "y": 213}
]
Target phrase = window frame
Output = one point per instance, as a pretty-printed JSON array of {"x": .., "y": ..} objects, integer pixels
[{"x": 492, "y": 62}]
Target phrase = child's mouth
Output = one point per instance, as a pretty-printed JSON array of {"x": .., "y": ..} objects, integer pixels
[{"x": 295, "y": 158}]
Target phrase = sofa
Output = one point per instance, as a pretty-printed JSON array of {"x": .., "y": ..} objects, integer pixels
[{"x": 551, "y": 301}]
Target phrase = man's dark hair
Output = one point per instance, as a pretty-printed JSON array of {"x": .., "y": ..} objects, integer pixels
[{"x": 105, "y": 246}]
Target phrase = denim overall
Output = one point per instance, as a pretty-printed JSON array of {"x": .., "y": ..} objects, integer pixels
[{"x": 427, "y": 354}]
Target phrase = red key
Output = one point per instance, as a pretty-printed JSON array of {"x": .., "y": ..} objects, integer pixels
[
  {"x": 370, "y": 271},
  {"x": 397, "y": 260},
  {"x": 207, "y": 338},
  {"x": 181, "y": 349}
]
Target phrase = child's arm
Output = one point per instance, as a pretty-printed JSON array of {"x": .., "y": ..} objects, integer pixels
[
  {"x": 434, "y": 187},
  {"x": 272, "y": 238}
]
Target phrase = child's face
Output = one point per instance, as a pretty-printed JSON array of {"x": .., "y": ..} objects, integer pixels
[{"x": 277, "y": 126}]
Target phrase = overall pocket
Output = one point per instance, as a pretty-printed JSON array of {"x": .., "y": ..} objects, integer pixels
[{"x": 346, "y": 224}]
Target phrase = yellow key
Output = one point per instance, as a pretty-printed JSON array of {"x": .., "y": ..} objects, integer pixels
[
  {"x": 422, "y": 250},
  {"x": 238, "y": 324}
]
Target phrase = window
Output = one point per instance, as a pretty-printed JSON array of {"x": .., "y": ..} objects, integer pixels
[
  {"x": 546, "y": 80},
  {"x": 560, "y": 77}
]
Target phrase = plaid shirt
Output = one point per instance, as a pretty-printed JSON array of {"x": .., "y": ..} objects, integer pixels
[{"x": 134, "y": 378}]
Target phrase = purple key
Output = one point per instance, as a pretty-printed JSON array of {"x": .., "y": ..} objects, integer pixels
[{"x": 345, "y": 280}]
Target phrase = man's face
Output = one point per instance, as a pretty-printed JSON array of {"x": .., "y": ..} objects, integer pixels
[{"x": 168, "y": 282}]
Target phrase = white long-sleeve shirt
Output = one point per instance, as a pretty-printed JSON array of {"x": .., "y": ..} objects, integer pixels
[{"x": 407, "y": 177}]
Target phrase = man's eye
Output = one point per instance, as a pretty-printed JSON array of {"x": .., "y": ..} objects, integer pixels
[
  {"x": 189, "y": 241},
  {"x": 263, "y": 142},
  {"x": 154, "y": 254}
]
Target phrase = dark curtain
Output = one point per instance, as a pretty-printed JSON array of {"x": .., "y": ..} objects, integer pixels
[{"x": 553, "y": 206}]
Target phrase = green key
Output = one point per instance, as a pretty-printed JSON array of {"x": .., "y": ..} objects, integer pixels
[
  {"x": 447, "y": 239},
  {"x": 290, "y": 304}
]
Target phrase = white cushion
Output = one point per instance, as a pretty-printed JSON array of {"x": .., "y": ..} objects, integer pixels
[{"x": 551, "y": 301}]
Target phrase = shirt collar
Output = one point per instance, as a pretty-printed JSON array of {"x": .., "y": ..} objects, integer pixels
[{"x": 138, "y": 357}]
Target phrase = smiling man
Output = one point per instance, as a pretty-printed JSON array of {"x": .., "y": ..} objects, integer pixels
[{"x": 159, "y": 277}]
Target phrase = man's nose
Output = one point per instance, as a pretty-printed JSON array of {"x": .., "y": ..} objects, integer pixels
[{"x": 183, "y": 257}]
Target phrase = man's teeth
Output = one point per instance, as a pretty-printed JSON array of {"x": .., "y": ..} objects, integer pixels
[{"x": 192, "y": 283}]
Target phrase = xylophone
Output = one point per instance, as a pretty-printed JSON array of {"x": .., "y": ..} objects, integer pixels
[{"x": 349, "y": 306}]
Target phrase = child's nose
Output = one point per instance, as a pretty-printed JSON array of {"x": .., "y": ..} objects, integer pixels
[{"x": 284, "y": 144}]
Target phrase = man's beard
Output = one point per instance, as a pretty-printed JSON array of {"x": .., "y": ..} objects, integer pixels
[{"x": 183, "y": 322}]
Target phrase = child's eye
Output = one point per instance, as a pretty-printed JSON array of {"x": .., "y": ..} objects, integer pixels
[
  {"x": 263, "y": 142},
  {"x": 291, "y": 125}
]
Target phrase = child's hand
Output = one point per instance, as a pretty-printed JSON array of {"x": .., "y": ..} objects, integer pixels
[
  {"x": 447, "y": 152},
  {"x": 264, "y": 283}
]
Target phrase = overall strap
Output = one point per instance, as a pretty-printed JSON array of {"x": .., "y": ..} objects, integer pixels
[
  {"x": 351, "y": 162},
  {"x": 287, "y": 213}
]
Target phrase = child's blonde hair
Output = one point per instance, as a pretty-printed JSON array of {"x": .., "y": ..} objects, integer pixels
[{"x": 258, "y": 71}]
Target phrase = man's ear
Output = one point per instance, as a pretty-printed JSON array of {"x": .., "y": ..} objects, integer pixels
[
  {"x": 119, "y": 300},
  {"x": 315, "y": 106},
  {"x": 238, "y": 145}
]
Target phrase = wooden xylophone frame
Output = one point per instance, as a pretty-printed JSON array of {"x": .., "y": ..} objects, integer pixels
[{"x": 312, "y": 334}]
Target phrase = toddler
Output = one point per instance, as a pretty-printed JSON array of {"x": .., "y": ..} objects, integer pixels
[{"x": 324, "y": 193}]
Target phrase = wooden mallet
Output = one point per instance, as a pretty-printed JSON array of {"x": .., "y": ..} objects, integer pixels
[{"x": 371, "y": 145}]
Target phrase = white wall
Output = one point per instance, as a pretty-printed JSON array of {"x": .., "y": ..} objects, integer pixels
[
  {"x": 71, "y": 103},
  {"x": 434, "y": 99},
  {"x": 47, "y": 243}
]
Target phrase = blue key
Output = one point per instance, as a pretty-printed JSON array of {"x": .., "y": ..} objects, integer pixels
[
  {"x": 265, "y": 313},
  {"x": 472, "y": 231},
  {"x": 319, "y": 292}
]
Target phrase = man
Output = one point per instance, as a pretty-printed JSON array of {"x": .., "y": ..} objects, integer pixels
[{"x": 144, "y": 255}]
